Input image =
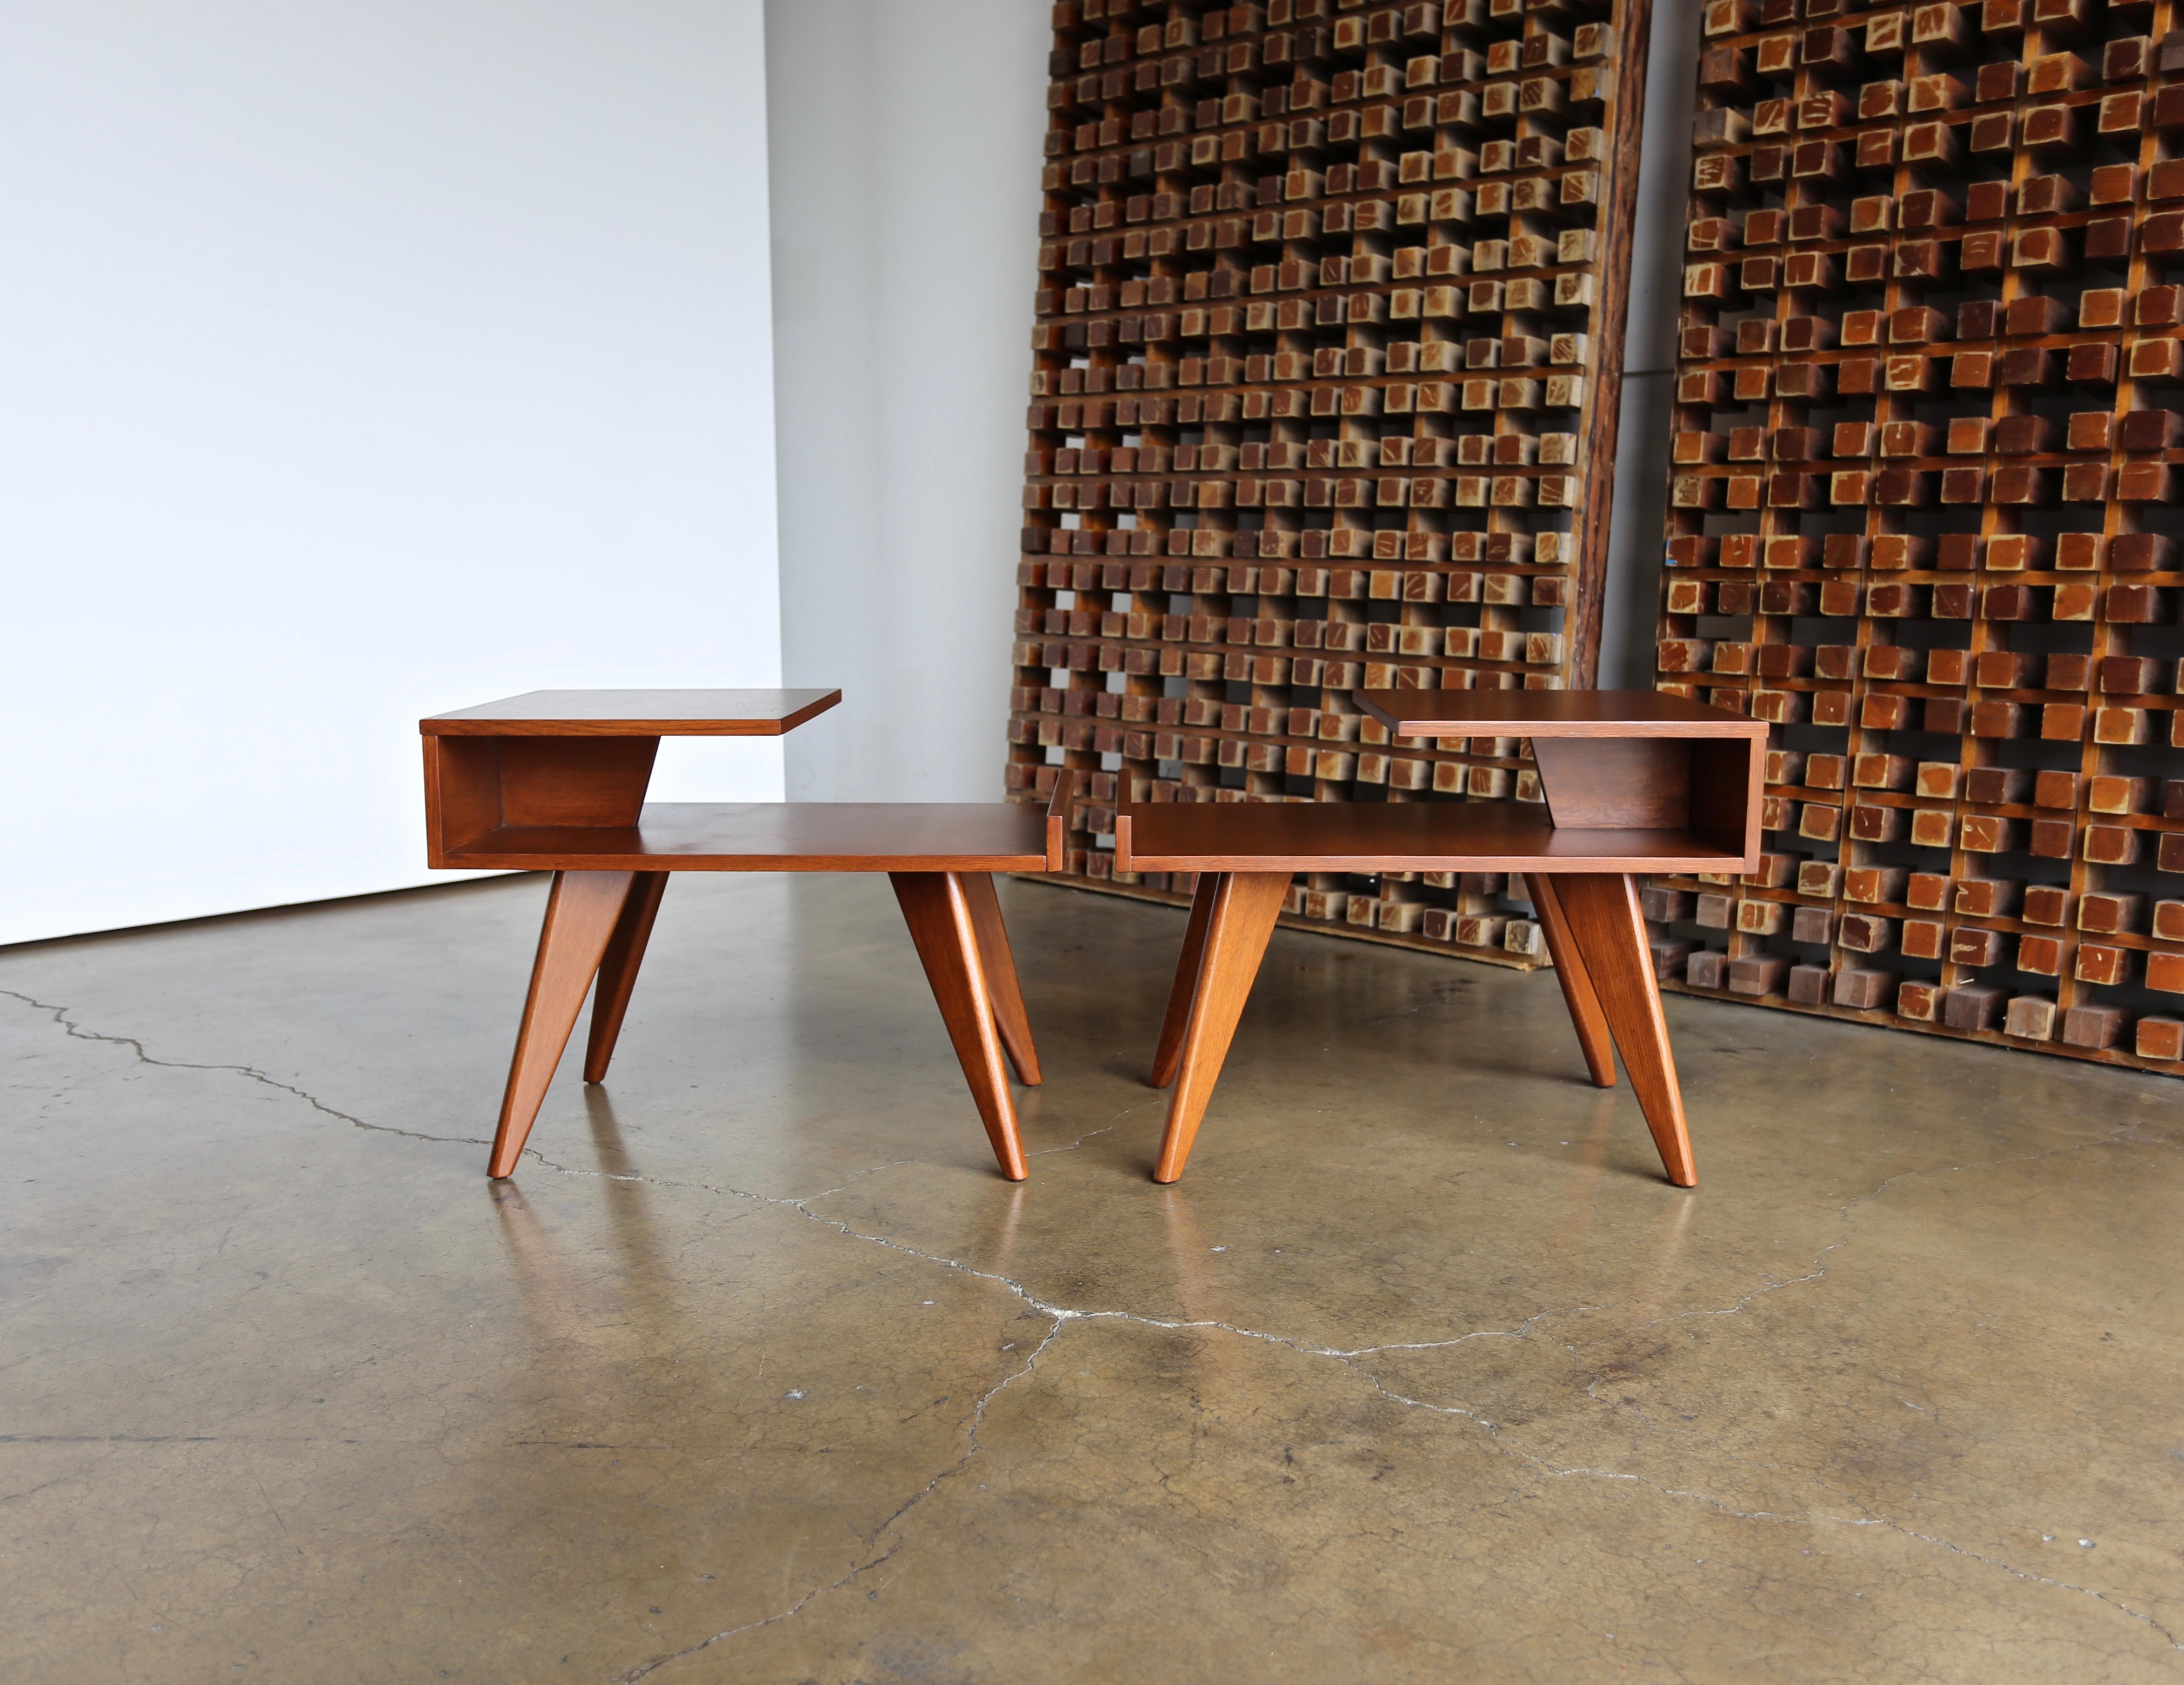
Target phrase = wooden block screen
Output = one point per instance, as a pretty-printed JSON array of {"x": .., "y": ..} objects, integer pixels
[
  {"x": 1326, "y": 368},
  {"x": 1929, "y": 401}
]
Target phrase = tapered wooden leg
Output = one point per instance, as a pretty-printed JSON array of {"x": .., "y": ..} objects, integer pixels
[
  {"x": 1578, "y": 992},
  {"x": 618, "y": 971},
  {"x": 1009, "y": 1016},
  {"x": 938, "y": 914},
  {"x": 582, "y": 910},
  {"x": 1242, "y": 918},
  {"x": 1609, "y": 935},
  {"x": 1169, "y": 1054}
]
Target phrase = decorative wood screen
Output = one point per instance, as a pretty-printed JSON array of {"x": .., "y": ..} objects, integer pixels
[
  {"x": 1326, "y": 371},
  {"x": 1920, "y": 519}
]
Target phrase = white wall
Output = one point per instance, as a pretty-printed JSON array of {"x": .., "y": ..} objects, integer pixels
[
  {"x": 361, "y": 361},
  {"x": 905, "y": 158}
]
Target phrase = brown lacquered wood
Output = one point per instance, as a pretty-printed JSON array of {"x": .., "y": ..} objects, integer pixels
[
  {"x": 1728, "y": 782},
  {"x": 554, "y": 781},
  {"x": 476, "y": 785},
  {"x": 462, "y": 793},
  {"x": 582, "y": 910},
  {"x": 635, "y": 714},
  {"x": 1380, "y": 837},
  {"x": 1593, "y": 1035},
  {"x": 618, "y": 970},
  {"x": 1001, "y": 984},
  {"x": 1608, "y": 934},
  {"x": 938, "y": 914},
  {"x": 1244, "y": 908},
  {"x": 1628, "y": 779},
  {"x": 1631, "y": 779},
  {"x": 1611, "y": 783},
  {"x": 1058, "y": 818},
  {"x": 1169, "y": 1054},
  {"x": 770, "y": 837},
  {"x": 575, "y": 780},
  {"x": 1544, "y": 714}
]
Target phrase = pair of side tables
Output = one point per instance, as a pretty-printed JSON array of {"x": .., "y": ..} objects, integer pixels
[{"x": 554, "y": 781}]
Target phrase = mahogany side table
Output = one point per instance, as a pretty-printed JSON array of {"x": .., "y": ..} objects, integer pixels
[
  {"x": 1634, "y": 781},
  {"x": 554, "y": 781}
]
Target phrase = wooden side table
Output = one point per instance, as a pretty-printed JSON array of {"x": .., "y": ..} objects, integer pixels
[
  {"x": 554, "y": 781},
  {"x": 1634, "y": 781}
]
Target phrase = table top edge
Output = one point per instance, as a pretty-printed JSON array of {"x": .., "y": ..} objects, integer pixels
[{"x": 782, "y": 711}]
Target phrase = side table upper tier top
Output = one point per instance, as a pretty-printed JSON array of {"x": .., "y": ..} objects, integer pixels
[{"x": 634, "y": 713}]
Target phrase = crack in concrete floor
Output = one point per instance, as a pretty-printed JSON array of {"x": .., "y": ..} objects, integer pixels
[
  {"x": 1063, "y": 1316},
  {"x": 60, "y": 1017}
]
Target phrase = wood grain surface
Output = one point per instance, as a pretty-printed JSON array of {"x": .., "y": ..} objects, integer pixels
[
  {"x": 1595, "y": 1040},
  {"x": 1391, "y": 838},
  {"x": 635, "y": 714},
  {"x": 1003, "y": 987},
  {"x": 945, "y": 931},
  {"x": 1608, "y": 933},
  {"x": 777, "y": 837},
  {"x": 1241, "y": 920},
  {"x": 618, "y": 970},
  {"x": 1169, "y": 1052},
  {"x": 582, "y": 911}
]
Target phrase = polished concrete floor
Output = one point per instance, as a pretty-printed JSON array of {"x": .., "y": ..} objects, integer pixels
[{"x": 758, "y": 1372}]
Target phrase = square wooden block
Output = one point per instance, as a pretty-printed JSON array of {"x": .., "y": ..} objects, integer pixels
[
  {"x": 2161, "y": 1037},
  {"x": 1757, "y": 974},
  {"x": 1864, "y": 987},
  {"x": 1975, "y": 1006},
  {"x": 1706, "y": 968}
]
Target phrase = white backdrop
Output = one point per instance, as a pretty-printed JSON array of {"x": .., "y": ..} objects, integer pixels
[
  {"x": 361, "y": 361},
  {"x": 906, "y": 158}
]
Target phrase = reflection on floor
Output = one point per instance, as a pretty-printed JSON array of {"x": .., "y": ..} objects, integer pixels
[{"x": 758, "y": 1372}]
